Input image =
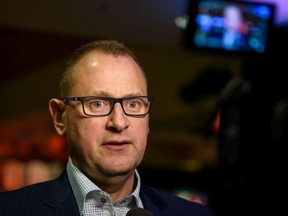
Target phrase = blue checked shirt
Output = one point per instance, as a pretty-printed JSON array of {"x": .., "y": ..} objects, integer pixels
[{"x": 91, "y": 200}]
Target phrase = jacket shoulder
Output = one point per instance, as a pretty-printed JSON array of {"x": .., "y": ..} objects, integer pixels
[
  {"x": 157, "y": 200},
  {"x": 39, "y": 199}
]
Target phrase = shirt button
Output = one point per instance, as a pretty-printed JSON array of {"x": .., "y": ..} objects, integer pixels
[{"x": 103, "y": 200}]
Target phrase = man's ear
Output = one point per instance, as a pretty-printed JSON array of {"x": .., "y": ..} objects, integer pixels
[{"x": 57, "y": 111}]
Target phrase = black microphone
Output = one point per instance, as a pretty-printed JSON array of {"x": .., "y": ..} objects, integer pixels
[{"x": 138, "y": 212}]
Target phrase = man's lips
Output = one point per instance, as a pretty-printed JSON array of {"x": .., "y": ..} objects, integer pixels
[
  {"x": 116, "y": 145},
  {"x": 116, "y": 142}
]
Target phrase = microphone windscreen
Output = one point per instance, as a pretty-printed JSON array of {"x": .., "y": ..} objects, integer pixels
[{"x": 138, "y": 212}]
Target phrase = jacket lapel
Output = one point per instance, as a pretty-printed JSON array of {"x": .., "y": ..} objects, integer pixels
[
  {"x": 59, "y": 198},
  {"x": 151, "y": 201}
]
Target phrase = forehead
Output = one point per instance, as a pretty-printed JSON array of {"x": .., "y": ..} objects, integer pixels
[{"x": 116, "y": 75}]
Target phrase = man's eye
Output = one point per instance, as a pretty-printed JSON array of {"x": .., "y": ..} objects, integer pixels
[
  {"x": 133, "y": 104},
  {"x": 97, "y": 103}
]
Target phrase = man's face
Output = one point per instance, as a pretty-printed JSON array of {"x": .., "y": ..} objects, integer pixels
[{"x": 109, "y": 145}]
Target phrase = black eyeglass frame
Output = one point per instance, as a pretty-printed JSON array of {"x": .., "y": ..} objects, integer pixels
[{"x": 114, "y": 101}]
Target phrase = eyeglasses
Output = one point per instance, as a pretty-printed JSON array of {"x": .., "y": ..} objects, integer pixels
[{"x": 103, "y": 106}]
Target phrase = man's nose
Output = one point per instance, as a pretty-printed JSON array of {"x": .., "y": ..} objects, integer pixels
[{"x": 118, "y": 119}]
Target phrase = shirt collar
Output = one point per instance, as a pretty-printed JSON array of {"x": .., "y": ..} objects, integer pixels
[{"x": 81, "y": 185}]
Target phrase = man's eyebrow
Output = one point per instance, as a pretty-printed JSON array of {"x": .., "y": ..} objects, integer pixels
[
  {"x": 101, "y": 93},
  {"x": 106, "y": 94}
]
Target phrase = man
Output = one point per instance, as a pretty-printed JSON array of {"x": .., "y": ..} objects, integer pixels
[{"x": 104, "y": 114}]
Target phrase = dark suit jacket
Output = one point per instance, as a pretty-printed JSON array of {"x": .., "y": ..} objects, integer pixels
[{"x": 56, "y": 198}]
